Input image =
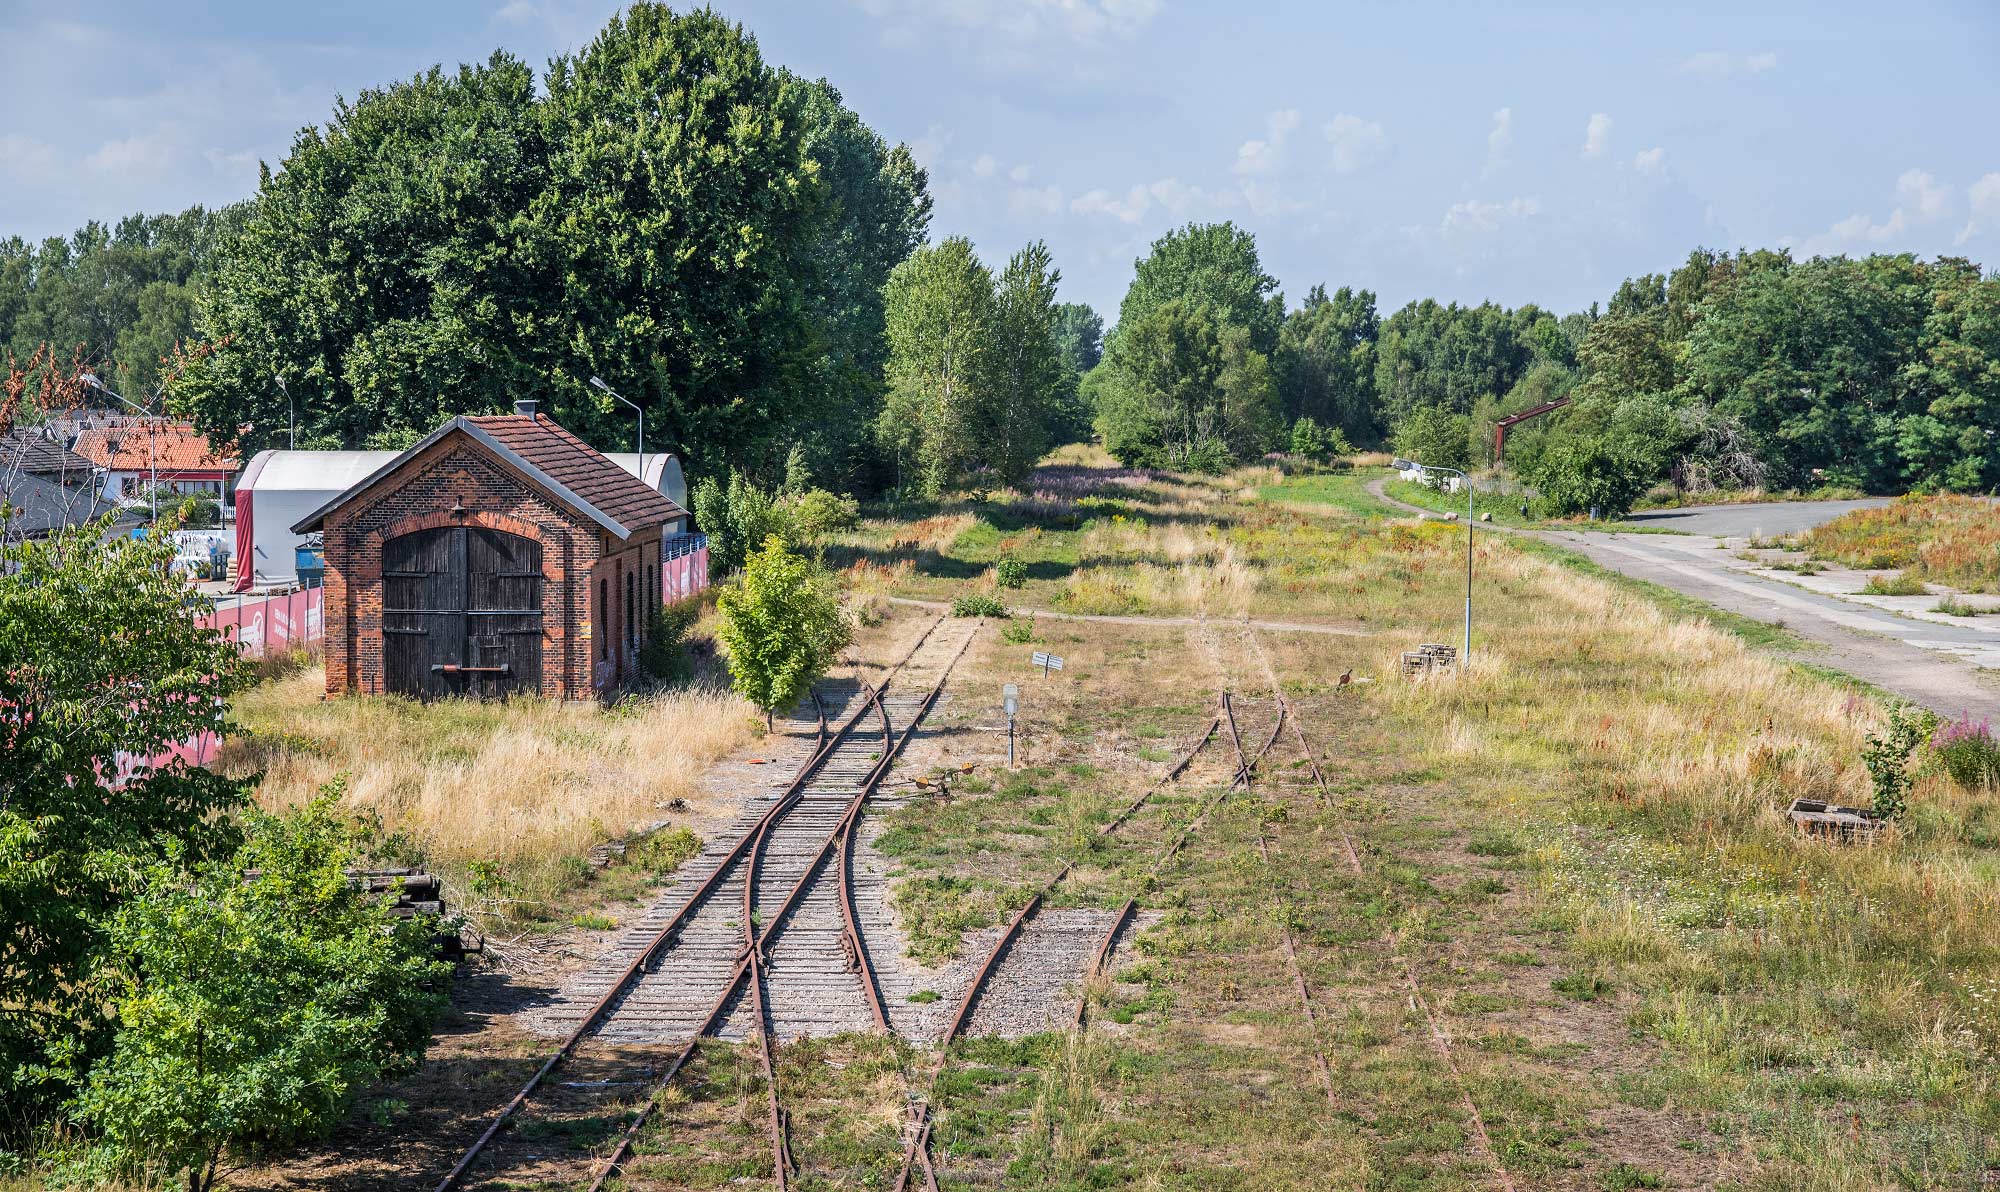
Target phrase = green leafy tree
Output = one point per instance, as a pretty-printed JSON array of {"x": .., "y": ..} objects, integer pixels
[
  {"x": 101, "y": 664},
  {"x": 1577, "y": 473},
  {"x": 1030, "y": 389},
  {"x": 1326, "y": 362},
  {"x": 1436, "y": 437},
  {"x": 1080, "y": 335},
  {"x": 251, "y": 1012},
  {"x": 781, "y": 626},
  {"x": 940, "y": 329},
  {"x": 1209, "y": 265},
  {"x": 878, "y": 208},
  {"x": 451, "y": 242},
  {"x": 736, "y": 517},
  {"x": 1449, "y": 356},
  {"x": 1189, "y": 390}
]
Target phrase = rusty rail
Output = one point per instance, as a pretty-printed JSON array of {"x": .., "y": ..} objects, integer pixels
[
  {"x": 1103, "y": 953},
  {"x": 916, "y": 1153},
  {"x": 892, "y": 748}
]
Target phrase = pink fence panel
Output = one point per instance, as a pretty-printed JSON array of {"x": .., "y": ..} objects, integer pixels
[
  {"x": 270, "y": 622},
  {"x": 684, "y": 567}
]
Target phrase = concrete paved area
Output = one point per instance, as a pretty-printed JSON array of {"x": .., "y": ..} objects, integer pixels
[
  {"x": 1948, "y": 664},
  {"x": 1763, "y": 520}
]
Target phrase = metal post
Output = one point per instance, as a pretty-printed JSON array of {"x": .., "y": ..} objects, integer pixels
[
  {"x": 1010, "y": 699},
  {"x": 1465, "y": 655}
]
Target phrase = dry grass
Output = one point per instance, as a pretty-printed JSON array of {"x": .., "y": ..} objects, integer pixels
[
  {"x": 1948, "y": 539},
  {"x": 527, "y": 784}
]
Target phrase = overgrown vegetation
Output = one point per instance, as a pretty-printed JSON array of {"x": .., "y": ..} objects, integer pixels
[
  {"x": 781, "y": 626},
  {"x": 1952, "y": 540}
]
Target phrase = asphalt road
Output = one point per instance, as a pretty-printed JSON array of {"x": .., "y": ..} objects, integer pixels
[
  {"x": 1952, "y": 669},
  {"x": 1769, "y": 519}
]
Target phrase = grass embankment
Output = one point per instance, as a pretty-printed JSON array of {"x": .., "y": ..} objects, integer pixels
[
  {"x": 1580, "y": 847},
  {"x": 527, "y": 786},
  {"x": 1951, "y": 540}
]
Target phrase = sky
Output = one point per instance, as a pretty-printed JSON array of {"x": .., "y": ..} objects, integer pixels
[{"x": 1507, "y": 151}]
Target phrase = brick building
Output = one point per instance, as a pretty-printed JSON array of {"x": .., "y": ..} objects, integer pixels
[{"x": 501, "y": 554}]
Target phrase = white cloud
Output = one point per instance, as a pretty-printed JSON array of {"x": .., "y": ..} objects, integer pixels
[
  {"x": 984, "y": 166},
  {"x": 132, "y": 155},
  {"x": 1169, "y": 194},
  {"x": 1481, "y": 216},
  {"x": 1130, "y": 209},
  {"x": 516, "y": 12},
  {"x": 1983, "y": 197},
  {"x": 1033, "y": 200},
  {"x": 1500, "y": 141},
  {"x": 1597, "y": 135},
  {"x": 26, "y": 157},
  {"x": 1718, "y": 64},
  {"x": 1081, "y": 21},
  {"x": 1651, "y": 161},
  {"x": 930, "y": 147},
  {"x": 1018, "y": 173},
  {"x": 1357, "y": 143},
  {"x": 1921, "y": 190},
  {"x": 1261, "y": 156}
]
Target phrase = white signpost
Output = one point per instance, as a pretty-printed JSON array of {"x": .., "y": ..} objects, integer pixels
[
  {"x": 1048, "y": 662},
  {"x": 1010, "y": 699}
]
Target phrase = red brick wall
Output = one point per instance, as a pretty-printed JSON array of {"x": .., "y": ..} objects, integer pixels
[
  {"x": 419, "y": 496},
  {"x": 615, "y": 651}
]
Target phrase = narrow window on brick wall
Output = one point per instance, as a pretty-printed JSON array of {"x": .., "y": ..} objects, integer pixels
[
  {"x": 631, "y": 610},
  {"x": 603, "y": 610}
]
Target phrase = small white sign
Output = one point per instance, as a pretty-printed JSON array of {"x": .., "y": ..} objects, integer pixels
[{"x": 1048, "y": 662}]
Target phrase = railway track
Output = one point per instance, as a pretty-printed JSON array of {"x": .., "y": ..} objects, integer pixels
[
  {"x": 1011, "y": 943},
  {"x": 1439, "y": 1037},
  {"x": 753, "y": 941}
]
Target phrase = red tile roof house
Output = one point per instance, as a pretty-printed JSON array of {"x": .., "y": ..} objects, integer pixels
[
  {"x": 136, "y": 451},
  {"x": 500, "y": 555}
]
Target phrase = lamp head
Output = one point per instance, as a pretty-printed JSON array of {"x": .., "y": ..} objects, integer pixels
[{"x": 598, "y": 382}]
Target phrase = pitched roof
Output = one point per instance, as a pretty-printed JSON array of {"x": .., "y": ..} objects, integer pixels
[
  {"x": 143, "y": 445},
  {"x": 573, "y": 471},
  {"x": 36, "y": 454},
  {"x": 37, "y": 507}
]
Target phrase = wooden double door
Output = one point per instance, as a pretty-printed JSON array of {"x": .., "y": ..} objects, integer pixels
[{"x": 462, "y": 613}]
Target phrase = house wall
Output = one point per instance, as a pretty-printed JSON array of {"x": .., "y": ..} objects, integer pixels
[
  {"x": 420, "y": 496},
  {"x": 615, "y": 650}
]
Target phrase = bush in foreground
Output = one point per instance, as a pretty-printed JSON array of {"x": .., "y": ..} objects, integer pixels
[
  {"x": 252, "y": 1010},
  {"x": 782, "y": 626}
]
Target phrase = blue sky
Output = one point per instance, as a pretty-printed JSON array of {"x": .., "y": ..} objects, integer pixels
[{"x": 1515, "y": 152}]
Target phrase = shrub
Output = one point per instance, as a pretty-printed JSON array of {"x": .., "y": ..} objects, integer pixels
[
  {"x": 782, "y": 626},
  {"x": 251, "y": 1012},
  {"x": 1902, "y": 583},
  {"x": 978, "y": 604},
  {"x": 1887, "y": 756},
  {"x": 1576, "y": 473},
  {"x": 1968, "y": 752},
  {"x": 1019, "y": 633},
  {"x": 816, "y": 513},
  {"x": 664, "y": 657},
  {"x": 1010, "y": 572},
  {"x": 1309, "y": 440},
  {"x": 1437, "y": 437}
]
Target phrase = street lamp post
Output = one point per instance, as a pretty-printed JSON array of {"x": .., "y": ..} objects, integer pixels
[
  {"x": 1465, "y": 653},
  {"x": 599, "y": 383},
  {"x": 152, "y": 440},
  {"x": 291, "y": 418}
]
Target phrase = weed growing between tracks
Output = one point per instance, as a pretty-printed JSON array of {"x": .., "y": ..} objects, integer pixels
[{"x": 1649, "y": 979}]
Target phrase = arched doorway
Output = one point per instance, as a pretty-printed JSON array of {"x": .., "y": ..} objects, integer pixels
[{"x": 461, "y": 613}]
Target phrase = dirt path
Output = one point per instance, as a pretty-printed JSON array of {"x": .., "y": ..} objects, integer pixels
[{"x": 1947, "y": 668}]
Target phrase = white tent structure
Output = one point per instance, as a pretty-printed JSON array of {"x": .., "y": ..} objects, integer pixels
[
  {"x": 280, "y": 488},
  {"x": 663, "y": 474}
]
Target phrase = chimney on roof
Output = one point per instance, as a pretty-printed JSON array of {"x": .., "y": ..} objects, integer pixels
[{"x": 525, "y": 407}]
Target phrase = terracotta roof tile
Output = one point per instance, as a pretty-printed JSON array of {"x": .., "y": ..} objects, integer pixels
[
  {"x": 138, "y": 446},
  {"x": 580, "y": 468}
]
